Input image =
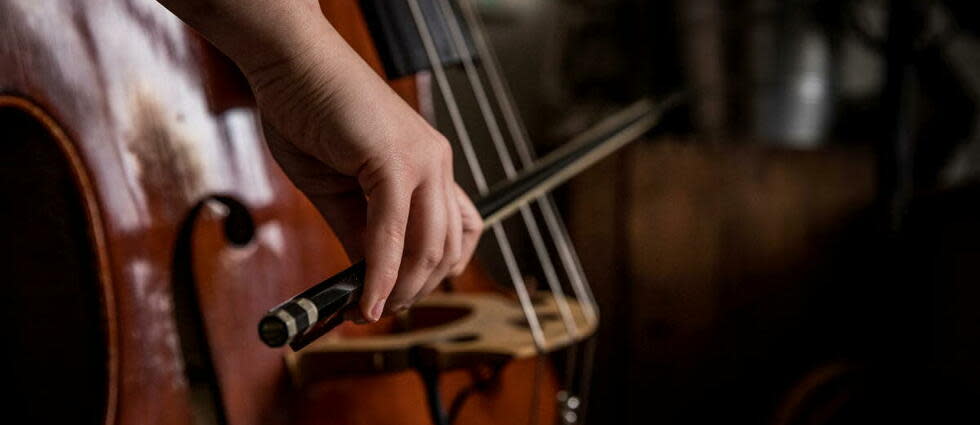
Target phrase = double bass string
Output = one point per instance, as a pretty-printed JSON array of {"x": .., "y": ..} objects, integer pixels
[
  {"x": 294, "y": 318},
  {"x": 517, "y": 278},
  {"x": 500, "y": 235},
  {"x": 559, "y": 234},
  {"x": 302, "y": 319},
  {"x": 530, "y": 222},
  {"x": 558, "y": 231},
  {"x": 490, "y": 120},
  {"x": 525, "y": 152},
  {"x": 517, "y": 132}
]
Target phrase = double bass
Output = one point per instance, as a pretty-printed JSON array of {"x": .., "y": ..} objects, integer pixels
[{"x": 148, "y": 230}]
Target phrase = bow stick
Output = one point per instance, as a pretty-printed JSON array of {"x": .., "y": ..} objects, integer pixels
[{"x": 307, "y": 316}]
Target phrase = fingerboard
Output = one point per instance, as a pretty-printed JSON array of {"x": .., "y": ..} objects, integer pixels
[{"x": 397, "y": 38}]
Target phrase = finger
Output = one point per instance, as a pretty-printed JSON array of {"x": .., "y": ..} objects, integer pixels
[
  {"x": 472, "y": 228},
  {"x": 424, "y": 244},
  {"x": 387, "y": 216},
  {"x": 454, "y": 236}
]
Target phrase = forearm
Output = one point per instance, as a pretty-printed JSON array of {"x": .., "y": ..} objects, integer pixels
[{"x": 257, "y": 33}]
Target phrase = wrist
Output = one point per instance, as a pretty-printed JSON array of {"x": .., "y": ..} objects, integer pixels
[
  {"x": 319, "y": 64},
  {"x": 255, "y": 34}
]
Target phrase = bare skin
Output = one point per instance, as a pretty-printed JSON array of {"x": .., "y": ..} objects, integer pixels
[{"x": 375, "y": 169}]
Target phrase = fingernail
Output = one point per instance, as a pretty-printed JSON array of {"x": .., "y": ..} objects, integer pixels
[{"x": 378, "y": 308}]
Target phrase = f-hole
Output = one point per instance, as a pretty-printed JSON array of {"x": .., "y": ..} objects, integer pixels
[
  {"x": 56, "y": 345},
  {"x": 239, "y": 229}
]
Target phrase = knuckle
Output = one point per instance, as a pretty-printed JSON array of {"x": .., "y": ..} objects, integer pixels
[
  {"x": 454, "y": 254},
  {"x": 400, "y": 167},
  {"x": 442, "y": 149},
  {"x": 472, "y": 226},
  {"x": 457, "y": 270},
  {"x": 429, "y": 258},
  {"x": 441, "y": 139},
  {"x": 410, "y": 171},
  {"x": 387, "y": 276},
  {"x": 392, "y": 235},
  {"x": 445, "y": 149}
]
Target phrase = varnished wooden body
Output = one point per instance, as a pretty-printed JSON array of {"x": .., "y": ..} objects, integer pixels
[
  {"x": 163, "y": 150},
  {"x": 119, "y": 85}
]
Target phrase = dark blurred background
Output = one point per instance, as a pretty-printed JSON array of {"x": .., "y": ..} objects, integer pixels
[{"x": 800, "y": 243}]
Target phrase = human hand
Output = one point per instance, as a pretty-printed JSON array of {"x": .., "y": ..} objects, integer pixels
[{"x": 375, "y": 169}]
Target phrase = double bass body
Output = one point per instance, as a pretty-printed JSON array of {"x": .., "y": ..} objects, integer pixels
[{"x": 160, "y": 230}]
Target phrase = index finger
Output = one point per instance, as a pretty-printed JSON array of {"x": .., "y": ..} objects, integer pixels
[{"x": 387, "y": 217}]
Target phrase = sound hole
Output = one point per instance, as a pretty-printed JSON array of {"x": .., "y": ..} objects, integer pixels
[
  {"x": 54, "y": 330},
  {"x": 239, "y": 227}
]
